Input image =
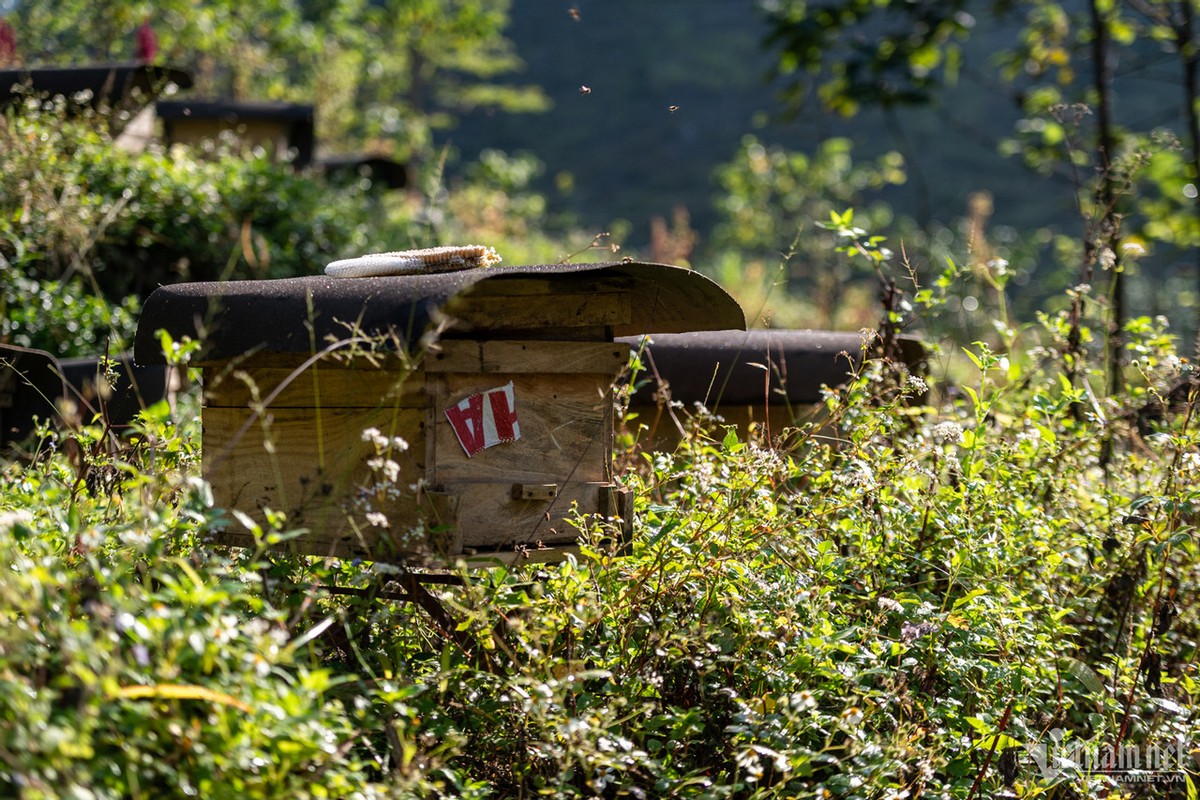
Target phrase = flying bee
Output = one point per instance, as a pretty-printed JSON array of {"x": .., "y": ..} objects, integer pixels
[{"x": 585, "y": 90}]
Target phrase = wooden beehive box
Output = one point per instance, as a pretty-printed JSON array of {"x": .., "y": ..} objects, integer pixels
[
  {"x": 280, "y": 127},
  {"x": 424, "y": 417}
]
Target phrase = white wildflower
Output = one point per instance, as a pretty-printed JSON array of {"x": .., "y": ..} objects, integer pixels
[
  {"x": 1032, "y": 437},
  {"x": 916, "y": 385},
  {"x": 1189, "y": 463},
  {"x": 947, "y": 432},
  {"x": 224, "y": 629},
  {"x": 91, "y": 538},
  {"x": 136, "y": 538},
  {"x": 377, "y": 519},
  {"x": 375, "y": 437},
  {"x": 888, "y": 604},
  {"x": 399, "y": 444},
  {"x": 804, "y": 699},
  {"x": 1133, "y": 249},
  {"x": 11, "y": 519},
  {"x": 257, "y": 627},
  {"x": 852, "y": 716},
  {"x": 1107, "y": 258},
  {"x": 391, "y": 470},
  {"x": 704, "y": 475},
  {"x": 858, "y": 475},
  {"x": 262, "y": 667}
]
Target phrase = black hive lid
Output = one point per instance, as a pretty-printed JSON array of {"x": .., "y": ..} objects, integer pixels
[
  {"x": 233, "y": 110},
  {"x": 273, "y": 316},
  {"x": 725, "y": 368},
  {"x": 107, "y": 83}
]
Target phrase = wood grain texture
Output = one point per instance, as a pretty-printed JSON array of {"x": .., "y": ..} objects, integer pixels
[
  {"x": 316, "y": 387},
  {"x": 560, "y": 310},
  {"x": 490, "y": 519},
  {"x": 566, "y": 430},
  {"x": 313, "y": 467},
  {"x": 434, "y": 544},
  {"x": 529, "y": 357},
  {"x": 305, "y": 454}
]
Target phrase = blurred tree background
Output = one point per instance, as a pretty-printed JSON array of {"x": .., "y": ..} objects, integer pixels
[
  {"x": 1035, "y": 136},
  {"x": 384, "y": 75}
]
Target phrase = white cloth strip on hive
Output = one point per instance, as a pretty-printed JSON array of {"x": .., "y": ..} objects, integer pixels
[{"x": 414, "y": 262}]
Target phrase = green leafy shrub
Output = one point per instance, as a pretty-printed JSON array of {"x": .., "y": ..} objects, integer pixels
[
  {"x": 97, "y": 221},
  {"x": 63, "y": 317},
  {"x": 77, "y": 204}
]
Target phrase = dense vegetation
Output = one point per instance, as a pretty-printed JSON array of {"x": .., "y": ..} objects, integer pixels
[{"x": 939, "y": 585}]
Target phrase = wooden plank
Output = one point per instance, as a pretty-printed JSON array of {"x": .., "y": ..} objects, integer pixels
[
  {"x": 315, "y": 387},
  {"x": 335, "y": 360},
  {"x": 468, "y": 355},
  {"x": 490, "y": 519},
  {"x": 534, "y": 491},
  {"x": 565, "y": 423},
  {"x": 477, "y": 312},
  {"x": 527, "y": 286},
  {"x": 437, "y": 545},
  {"x": 313, "y": 467},
  {"x": 604, "y": 358}
]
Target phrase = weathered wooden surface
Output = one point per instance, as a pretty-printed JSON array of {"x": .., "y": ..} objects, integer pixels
[
  {"x": 566, "y": 431},
  {"x": 304, "y": 452},
  {"x": 490, "y": 519},
  {"x": 312, "y": 465},
  {"x": 535, "y": 357},
  {"x": 300, "y": 315},
  {"x": 531, "y": 304},
  {"x": 326, "y": 385},
  {"x": 773, "y": 378},
  {"x": 563, "y": 399}
]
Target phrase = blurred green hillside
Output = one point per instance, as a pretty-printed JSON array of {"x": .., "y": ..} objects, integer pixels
[{"x": 622, "y": 153}]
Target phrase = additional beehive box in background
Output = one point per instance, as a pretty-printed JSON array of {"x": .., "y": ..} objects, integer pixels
[
  {"x": 498, "y": 382},
  {"x": 766, "y": 376},
  {"x": 31, "y": 384},
  {"x": 117, "y": 87},
  {"x": 35, "y": 385},
  {"x": 281, "y": 127}
]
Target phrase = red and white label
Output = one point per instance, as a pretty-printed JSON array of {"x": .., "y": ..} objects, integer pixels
[{"x": 485, "y": 419}]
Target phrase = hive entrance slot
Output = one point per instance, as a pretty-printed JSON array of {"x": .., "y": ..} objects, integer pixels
[{"x": 534, "y": 491}]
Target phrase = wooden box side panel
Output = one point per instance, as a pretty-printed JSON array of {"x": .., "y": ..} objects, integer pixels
[
  {"x": 327, "y": 384},
  {"x": 522, "y": 495},
  {"x": 314, "y": 466},
  {"x": 489, "y": 518},
  {"x": 565, "y": 426}
]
